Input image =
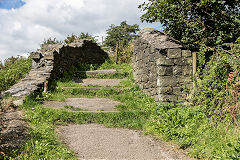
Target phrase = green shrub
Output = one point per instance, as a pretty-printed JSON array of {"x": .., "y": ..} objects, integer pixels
[{"x": 13, "y": 71}]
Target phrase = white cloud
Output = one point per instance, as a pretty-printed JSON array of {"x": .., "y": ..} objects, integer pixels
[{"x": 23, "y": 29}]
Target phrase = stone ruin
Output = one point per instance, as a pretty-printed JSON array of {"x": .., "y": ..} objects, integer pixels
[
  {"x": 162, "y": 67},
  {"x": 48, "y": 63},
  {"x": 52, "y": 61}
]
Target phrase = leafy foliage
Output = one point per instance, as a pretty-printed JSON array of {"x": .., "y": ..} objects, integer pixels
[
  {"x": 125, "y": 52},
  {"x": 14, "y": 69},
  {"x": 124, "y": 33},
  {"x": 194, "y": 22},
  {"x": 218, "y": 85},
  {"x": 83, "y": 35}
]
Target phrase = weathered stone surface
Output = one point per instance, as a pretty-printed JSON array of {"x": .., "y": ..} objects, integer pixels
[
  {"x": 181, "y": 61},
  {"x": 187, "y": 70},
  {"x": 18, "y": 102},
  {"x": 159, "y": 39},
  {"x": 177, "y": 70},
  {"x": 186, "y": 53},
  {"x": 166, "y": 81},
  {"x": 177, "y": 90},
  {"x": 174, "y": 53},
  {"x": 49, "y": 56},
  {"x": 165, "y": 71},
  {"x": 52, "y": 60},
  {"x": 165, "y": 90},
  {"x": 165, "y": 61},
  {"x": 13, "y": 131},
  {"x": 167, "y": 98},
  {"x": 161, "y": 66},
  {"x": 35, "y": 55},
  {"x": 49, "y": 62}
]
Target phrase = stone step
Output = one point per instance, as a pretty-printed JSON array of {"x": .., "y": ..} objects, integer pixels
[
  {"x": 95, "y": 72},
  {"x": 94, "y": 105},
  {"x": 98, "y": 82},
  {"x": 84, "y": 88}
]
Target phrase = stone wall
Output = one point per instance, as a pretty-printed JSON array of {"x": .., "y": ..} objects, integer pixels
[
  {"x": 52, "y": 60},
  {"x": 48, "y": 63},
  {"x": 161, "y": 66}
]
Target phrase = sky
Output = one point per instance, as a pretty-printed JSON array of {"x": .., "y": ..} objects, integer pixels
[{"x": 24, "y": 24}]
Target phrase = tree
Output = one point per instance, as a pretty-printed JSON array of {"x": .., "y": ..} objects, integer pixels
[
  {"x": 196, "y": 22},
  {"x": 83, "y": 35},
  {"x": 124, "y": 33}
]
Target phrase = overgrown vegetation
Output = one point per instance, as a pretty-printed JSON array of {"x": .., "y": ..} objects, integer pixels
[
  {"x": 189, "y": 126},
  {"x": 13, "y": 70},
  {"x": 208, "y": 127}
]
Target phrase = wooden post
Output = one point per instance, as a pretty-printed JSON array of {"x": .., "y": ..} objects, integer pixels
[
  {"x": 117, "y": 48},
  {"x": 45, "y": 89},
  {"x": 194, "y": 64}
]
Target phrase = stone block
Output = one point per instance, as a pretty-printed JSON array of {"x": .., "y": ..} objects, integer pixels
[
  {"x": 165, "y": 70},
  {"x": 49, "y": 69},
  {"x": 187, "y": 70},
  {"x": 164, "y": 61},
  {"x": 156, "y": 98},
  {"x": 49, "y": 56},
  {"x": 165, "y": 90},
  {"x": 177, "y": 70},
  {"x": 35, "y": 55},
  {"x": 186, "y": 53},
  {"x": 181, "y": 61},
  {"x": 189, "y": 61},
  {"x": 167, "y": 98},
  {"x": 181, "y": 98},
  {"x": 18, "y": 102},
  {"x": 177, "y": 90},
  {"x": 153, "y": 92},
  {"x": 184, "y": 79},
  {"x": 174, "y": 53},
  {"x": 166, "y": 81}
]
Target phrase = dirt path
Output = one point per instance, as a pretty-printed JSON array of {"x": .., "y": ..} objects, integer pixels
[{"x": 94, "y": 142}]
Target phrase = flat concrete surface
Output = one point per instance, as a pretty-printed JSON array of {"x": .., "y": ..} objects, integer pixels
[
  {"x": 103, "y": 71},
  {"x": 84, "y": 88},
  {"x": 99, "y": 82},
  {"x": 89, "y": 104},
  {"x": 95, "y": 142}
]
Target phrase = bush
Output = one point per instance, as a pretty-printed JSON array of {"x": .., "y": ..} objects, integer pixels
[{"x": 15, "y": 68}]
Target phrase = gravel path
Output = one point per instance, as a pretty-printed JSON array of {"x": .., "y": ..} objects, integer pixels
[{"x": 95, "y": 142}]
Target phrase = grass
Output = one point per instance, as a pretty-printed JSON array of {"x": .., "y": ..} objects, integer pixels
[{"x": 185, "y": 125}]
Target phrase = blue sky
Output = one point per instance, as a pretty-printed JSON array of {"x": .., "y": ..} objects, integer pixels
[{"x": 9, "y": 4}]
